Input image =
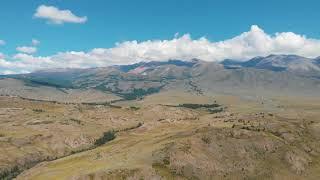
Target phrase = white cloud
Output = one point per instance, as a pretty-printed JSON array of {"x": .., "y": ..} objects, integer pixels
[
  {"x": 2, "y": 42},
  {"x": 56, "y": 16},
  {"x": 242, "y": 47},
  {"x": 27, "y": 49},
  {"x": 35, "y": 42}
]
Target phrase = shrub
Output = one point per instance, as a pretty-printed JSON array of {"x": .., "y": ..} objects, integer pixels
[
  {"x": 213, "y": 111},
  {"x": 206, "y": 140},
  {"x": 134, "y": 108},
  {"x": 76, "y": 120},
  {"x": 38, "y": 110},
  {"x": 130, "y": 128}
]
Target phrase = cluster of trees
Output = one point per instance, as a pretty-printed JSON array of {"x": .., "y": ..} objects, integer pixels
[
  {"x": 212, "y": 108},
  {"x": 107, "y": 136},
  {"x": 135, "y": 94},
  {"x": 10, "y": 174},
  {"x": 139, "y": 93}
]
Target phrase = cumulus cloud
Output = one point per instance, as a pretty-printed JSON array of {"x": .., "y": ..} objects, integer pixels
[
  {"x": 242, "y": 47},
  {"x": 56, "y": 16},
  {"x": 35, "y": 42},
  {"x": 27, "y": 49},
  {"x": 2, "y": 42},
  {"x": 24, "y": 63}
]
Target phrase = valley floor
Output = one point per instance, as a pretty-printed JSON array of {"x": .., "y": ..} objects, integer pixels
[{"x": 158, "y": 138}]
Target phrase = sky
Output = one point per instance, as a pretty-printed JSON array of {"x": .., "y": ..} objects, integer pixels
[{"x": 41, "y": 34}]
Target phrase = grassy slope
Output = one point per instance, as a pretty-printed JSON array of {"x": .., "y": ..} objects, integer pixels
[{"x": 134, "y": 150}]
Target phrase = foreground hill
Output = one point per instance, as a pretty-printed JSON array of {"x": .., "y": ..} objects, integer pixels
[{"x": 246, "y": 140}]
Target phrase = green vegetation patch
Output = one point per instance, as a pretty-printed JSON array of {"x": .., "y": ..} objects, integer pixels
[{"x": 47, "y": 82}]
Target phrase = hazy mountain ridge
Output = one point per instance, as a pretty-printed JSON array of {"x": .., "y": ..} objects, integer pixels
[
  {"x": 291, "y": 63},
  {"x": 127, "y": 68}
]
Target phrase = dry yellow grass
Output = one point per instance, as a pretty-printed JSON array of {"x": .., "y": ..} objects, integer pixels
[{"x": 282, "y": 130}]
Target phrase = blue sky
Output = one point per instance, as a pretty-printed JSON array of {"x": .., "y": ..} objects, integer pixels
[
  {"x": 116, "y": 21},
  {"x": 111, "y": 21}
]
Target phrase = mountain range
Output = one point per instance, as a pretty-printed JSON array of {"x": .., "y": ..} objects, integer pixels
[{"x": 282, "y": 74}]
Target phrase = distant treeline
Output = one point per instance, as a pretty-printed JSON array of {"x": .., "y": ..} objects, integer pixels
[
  {"x": 134, "y": 94},
  {"x": 211, "y": 108},
  {"x": 197, "y": 106},
  {"x": 139, "y": 93}
]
